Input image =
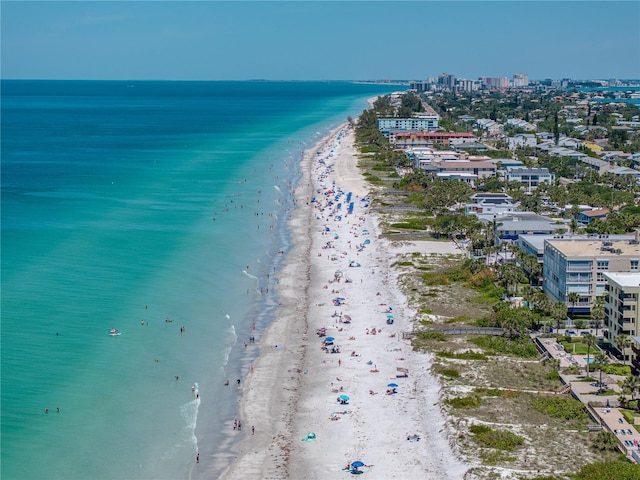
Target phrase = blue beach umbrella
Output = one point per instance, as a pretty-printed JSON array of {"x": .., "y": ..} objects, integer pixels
[
  {"x": 329, "y": 339},
  {"x": 357, "y": 464},
  {"x": 344, "y": 397},
  {"x": 389, "y": 316},
  {"x": 393, "y": 385}
]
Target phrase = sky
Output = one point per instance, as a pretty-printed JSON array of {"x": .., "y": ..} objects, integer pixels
[{"x": 318, "y": 40}]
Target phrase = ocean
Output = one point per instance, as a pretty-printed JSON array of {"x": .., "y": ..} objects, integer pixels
[{"x": 157, "y": 209}]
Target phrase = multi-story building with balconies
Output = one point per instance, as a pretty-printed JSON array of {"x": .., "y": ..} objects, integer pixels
[
  {"x": 622, "y": 307},
  {"x": 422, "y": 123},
  {"x": 579, "y": 266}
]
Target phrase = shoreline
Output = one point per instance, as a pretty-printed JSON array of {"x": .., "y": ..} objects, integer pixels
[{"x": 293, "y": 387}]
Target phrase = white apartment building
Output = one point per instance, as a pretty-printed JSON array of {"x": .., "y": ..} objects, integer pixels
[
  {"x": 423, "y": 123},
  {"x": 622, "y": 307}
]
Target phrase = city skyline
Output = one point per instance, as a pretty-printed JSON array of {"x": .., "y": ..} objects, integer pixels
[{"x": 325, "y": 40}]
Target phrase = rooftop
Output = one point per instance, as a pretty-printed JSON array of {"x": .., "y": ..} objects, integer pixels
[
  {"x": 537, "y": 241},
  {"x": 529, "y": 225},
  {"x": 624, "y": 279},
  {"x": 602, "y": 248},
  {"x": 435, "y": 135},
  {"x": 596, "y": 213}
]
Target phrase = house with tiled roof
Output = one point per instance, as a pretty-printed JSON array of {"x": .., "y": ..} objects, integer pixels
[{"x": 589, "y": 216}]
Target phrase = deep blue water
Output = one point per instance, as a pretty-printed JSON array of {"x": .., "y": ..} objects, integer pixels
[{"x": 132, "y": 202}]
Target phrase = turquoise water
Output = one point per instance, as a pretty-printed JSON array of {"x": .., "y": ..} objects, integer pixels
[
  {"x": 634, "y": 88},
  {"x": 125, "y": 203}
]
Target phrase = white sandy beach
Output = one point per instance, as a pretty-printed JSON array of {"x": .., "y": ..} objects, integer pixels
[{"x": 295, "y": 384}]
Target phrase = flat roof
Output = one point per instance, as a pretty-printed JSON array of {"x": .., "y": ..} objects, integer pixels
[
  {"x": 624, "y": 279},
  {"x": 533, "y": 225},
  {"x": 594, "y": 247},
  {"x": 537, "y": 241},
  {"x": 435, "y": 135},
  {"x": 466, "y": 164}
]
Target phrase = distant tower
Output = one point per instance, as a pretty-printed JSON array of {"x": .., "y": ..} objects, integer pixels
[
  {"x": 446, "y": 81},
  {"x": 520, "y": 80}
]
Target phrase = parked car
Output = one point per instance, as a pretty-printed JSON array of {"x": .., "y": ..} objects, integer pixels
[{"x": 571, "y": 333}]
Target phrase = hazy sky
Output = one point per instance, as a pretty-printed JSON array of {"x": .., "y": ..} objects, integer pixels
[{"x": 303, "y": 40}]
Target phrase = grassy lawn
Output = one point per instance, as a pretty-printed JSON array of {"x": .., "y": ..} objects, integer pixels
[{"x": 579, "y": 348}]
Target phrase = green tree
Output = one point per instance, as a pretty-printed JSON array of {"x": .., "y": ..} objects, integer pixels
[
  {"x": 589, "y": 340},
  {"x": 558, "y": 312},
  {"x": 509, "y": 274},
  {"x": 597, "y": 313},
  {"x": 514, "y": 321},
  {"x": 623, "y": 342},
  {"x": 573, "y": 298},
  {"x": 631, "y": 385},
  {"x": 600, "y": 360},
  {"x": 605, "y": 441},
  {"x": 574, "y": 226}
]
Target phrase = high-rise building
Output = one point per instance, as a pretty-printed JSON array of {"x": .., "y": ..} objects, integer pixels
[
  {"x": 498, "y": 83},
  {"x": 446, "y": 81},
  {"x": 464, "y": 85},
  {"x": 520, "y": 80}
]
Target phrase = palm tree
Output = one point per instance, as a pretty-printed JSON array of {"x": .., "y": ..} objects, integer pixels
[
  {"x": 600, "y": 360},
  {"x": 509, "y": 274},
  {"x": 573, "y": 297},
  {"x": 574, "y": 226},
  {"x": 597, "y": 312},
  {"x": 589, "y": 340},
  {"x": 631, "y": 384},
  {"x": 558, "y": 312},
  {"x": 623, "y": 342}
]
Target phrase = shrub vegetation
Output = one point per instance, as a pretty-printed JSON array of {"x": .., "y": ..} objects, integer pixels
[{"x": 560, "y": 407}]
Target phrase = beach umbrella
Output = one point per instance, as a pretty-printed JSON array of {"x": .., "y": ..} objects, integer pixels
[
  {"x": 357, "y": 464},
  {"x": 329, "y": 339},
  {"x": 346, "y": 318},
  {"x": 344, "y": 397},
  {"x": 389, "y": 316},
  {"x": 392, "y": 385}
]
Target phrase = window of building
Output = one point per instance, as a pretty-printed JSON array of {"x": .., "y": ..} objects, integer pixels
[
  {"x": 603, "y": 264},
  {"x": 634, "y": 264}
]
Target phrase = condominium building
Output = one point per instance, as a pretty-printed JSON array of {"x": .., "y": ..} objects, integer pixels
[
  {"x": 622, "y": 307},
  {"x": 579, "y": 266},
  {"x": 414, "y": 139},
  {"x": 423, "y": 123},
  {"x": 520, "y": 80}
]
